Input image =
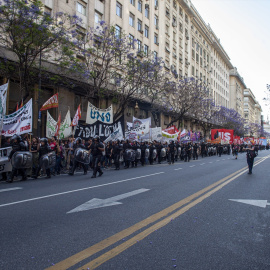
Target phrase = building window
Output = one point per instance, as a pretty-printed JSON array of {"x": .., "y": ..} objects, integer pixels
[
  {"x": 193, "y": 54},
  {"x": 156, "y": 38},
  {"x": 132, "y": 2},
  {"x": 118, "y": 9},
  {"x": 197, "y": 57},
  {"x": 139, "y": 25},
  {"x": 146, "y": 11},
  {"x": 118, "y": 31},
  {"x": 180, "y": 11},
  {"x": 181, "y": 27},
  {"x": 146, "y": 50},
  {"x": 146, "y": 31},
  {"x": 81, "y": 8},
  {"x": 193, "y": 71},
  {"x": 140, "y": 5},
  {"x": 155, "y": 55},
  {"x": 98, "y": 17},
  {"x": 156, "y": 20},
  {"x": 156, "y": 3},
  {"x": 131, "y": 40},
  {"x": 139, "y": 45},
  {"x": 167, "y": 13},
  {"x": 131, "y": 19}
]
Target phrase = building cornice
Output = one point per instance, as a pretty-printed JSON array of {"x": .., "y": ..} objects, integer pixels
[{"x": 234, "y": 72}]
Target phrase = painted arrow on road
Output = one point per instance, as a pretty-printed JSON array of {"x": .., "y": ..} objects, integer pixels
[
  {"x": 98, "y": 203},
  {"x": 259, "y": 203}
]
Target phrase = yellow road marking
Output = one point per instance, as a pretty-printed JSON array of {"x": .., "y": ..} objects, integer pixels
[{"x": 71, "y": 261}]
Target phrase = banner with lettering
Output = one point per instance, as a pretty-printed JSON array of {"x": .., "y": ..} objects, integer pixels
[
  {"x": 5, "y": 165},
  {"x": 101, "y": 129},
  {"x": 65, "y": 128},
  {"x": 222, "y": 135},
  {"x": 102, "y": 115},
  {"x": 166, "y": 137},
  {"x": 52, "y": 102},
  {"x": 3, "y": 100},
  {"x": 19, "y": 122}
]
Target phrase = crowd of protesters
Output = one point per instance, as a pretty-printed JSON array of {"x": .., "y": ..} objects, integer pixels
[{"x": 114, "y": 154}]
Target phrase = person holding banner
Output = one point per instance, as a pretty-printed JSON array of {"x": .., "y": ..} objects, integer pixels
[{"x": 17, "y": 145}]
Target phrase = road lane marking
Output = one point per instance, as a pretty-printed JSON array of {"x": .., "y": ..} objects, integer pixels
[
  {"x": 211, "y": 162},
  {"x": 192, "y": 166},
  {"x": 178, "y": 169},
  {"x": 10, "y": 189},
  {"x": 99, "y": 203},
  {"x": 87, "y": 253},
  {"x": 124, "y": 246},
  {"x": 81, "y": 189},
  {"x": 202, "y": 164}
]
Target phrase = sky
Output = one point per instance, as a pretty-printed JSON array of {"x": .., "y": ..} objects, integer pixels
[{"x": 243, "y": 27}]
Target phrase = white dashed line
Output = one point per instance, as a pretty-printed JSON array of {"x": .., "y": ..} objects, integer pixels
[
  {"x": 10, "y": 189},
  {"x": 210, "y": 162},
  {"x": 192, "y": 166},
  {"x": 178, "y": 169}
]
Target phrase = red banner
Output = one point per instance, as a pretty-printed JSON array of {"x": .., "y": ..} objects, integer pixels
[
  {"x": 77, "y": 117},
  {"x": 171, "y": 130},
  {"x": 52, "y": 102},
  {"x": 222, "y": 135}
]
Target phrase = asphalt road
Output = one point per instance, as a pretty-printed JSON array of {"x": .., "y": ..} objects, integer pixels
[{"x": 164, "y": 216}]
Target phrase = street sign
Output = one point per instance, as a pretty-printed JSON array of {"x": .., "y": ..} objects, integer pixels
[
  {"x": 259, "y": 203},
  {"x": 98, "y": 203}
]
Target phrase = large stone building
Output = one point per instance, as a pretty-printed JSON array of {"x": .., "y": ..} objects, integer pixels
[
  {"x": 171, "y": 29},
  {"x": 252, "y": 111},
  {"x": 237, "y": 87}
]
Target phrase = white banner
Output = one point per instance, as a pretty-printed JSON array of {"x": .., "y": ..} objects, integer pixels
[
  {"x": 19, "y": 122},
  {"x": 65, "y": 128},
  {"x": 167, "y": 136},
  {"x": 103, "y": 115},
  {"x": 50, "y": 126},
  {"x": 116, "y": 135},
  {"x": 5, "y": 165},
  {"x": 3, "y": 100},
  {"x": 156, "y": 134},
  {"x": 137, "y": 121}
]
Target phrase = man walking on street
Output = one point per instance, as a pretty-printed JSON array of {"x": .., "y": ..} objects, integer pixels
[{"x": 250, "y": 157}]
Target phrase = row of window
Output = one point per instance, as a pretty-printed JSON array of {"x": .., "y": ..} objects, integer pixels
[{"x": 119, "y": 8}]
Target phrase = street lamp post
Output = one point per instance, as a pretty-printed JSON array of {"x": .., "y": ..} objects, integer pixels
[{"x": 39, "y": 90}]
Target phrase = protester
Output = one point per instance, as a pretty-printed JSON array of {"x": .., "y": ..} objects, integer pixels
[{"x": 250, "y": 157}]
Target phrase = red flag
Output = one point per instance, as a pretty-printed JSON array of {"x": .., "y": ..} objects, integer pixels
[
  {"x": 52, "y": 102},
  {"x": 17, "y": 107},
  {"x": 77, "y": 117},
  {"x": 57, "y": 129},
  {"x": 21, "y": 104}
]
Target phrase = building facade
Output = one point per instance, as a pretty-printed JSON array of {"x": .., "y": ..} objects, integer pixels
[
  {"x": 237, "y": 87},
  {"x": 170, "y": 29}
]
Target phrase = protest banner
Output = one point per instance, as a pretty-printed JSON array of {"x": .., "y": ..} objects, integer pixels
[
  {"x": 102, "y": 115},
  {"x": 19, "y": 122},
  {"x": 99, "y": 128},
  {"x": 222, "y": 135}
]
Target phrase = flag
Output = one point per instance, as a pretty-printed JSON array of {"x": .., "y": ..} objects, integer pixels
[
  {"x": 21, "y": 104},
  {"x": 77, "y": 117},
  {"x": 57, "y": 129},
  {"x": 52, "y": 102},
  {"x": 183, "y": 134},
  {"x": 17, "y": 107}
]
